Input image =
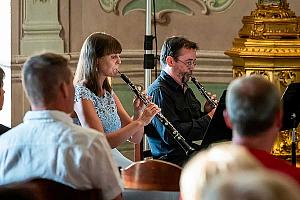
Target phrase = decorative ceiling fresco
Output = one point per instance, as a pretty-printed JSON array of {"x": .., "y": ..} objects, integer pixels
[{"x": 163, "y": 7}]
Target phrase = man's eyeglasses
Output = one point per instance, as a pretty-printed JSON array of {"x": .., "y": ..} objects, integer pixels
[{"x": 188, "y": 63}]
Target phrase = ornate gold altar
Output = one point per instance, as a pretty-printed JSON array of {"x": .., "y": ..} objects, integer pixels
[{"x": 269, "y": 45}]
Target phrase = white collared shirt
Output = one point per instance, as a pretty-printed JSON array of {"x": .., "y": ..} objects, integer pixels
[{"x": 48, "y": 145}]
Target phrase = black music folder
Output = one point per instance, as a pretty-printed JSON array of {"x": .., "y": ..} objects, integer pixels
[
  {"x": 291, "y": 106},
  {"x": 217, "y": 131}
]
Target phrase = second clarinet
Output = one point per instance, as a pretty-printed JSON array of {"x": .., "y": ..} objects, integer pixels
[
  {"x": 176, "y": 135},
  {"x": 203, "y": 92}
]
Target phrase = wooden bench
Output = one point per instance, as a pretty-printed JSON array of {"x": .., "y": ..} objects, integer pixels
[
  {"x": 43, "y": 189},
  {"x": 151, "y": 174}
]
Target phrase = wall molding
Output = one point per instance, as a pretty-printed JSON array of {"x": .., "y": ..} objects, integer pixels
[
  {"x": 40, "y": 30},
  {"x": 164, "y": 8}
]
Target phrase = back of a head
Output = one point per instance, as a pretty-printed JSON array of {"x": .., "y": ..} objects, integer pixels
[
  {"x": 252, "y": 185},
  {"x": 172, "y": 47},
  {"x": 42, "y": 75},
  {"x": 2, "y": 75},
  {"x": 252, "y": 103},
  {"x": 219, "y": 159}
]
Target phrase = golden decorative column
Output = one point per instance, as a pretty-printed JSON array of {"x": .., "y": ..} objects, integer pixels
[{"x": 269, "y": 45}]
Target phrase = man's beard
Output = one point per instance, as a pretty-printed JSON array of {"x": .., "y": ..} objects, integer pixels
[{"x": 185, "y": 78}]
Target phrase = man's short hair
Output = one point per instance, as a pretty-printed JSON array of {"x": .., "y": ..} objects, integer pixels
[
  {"x": 172, "y": 47},
  {"x": 252, "y": 103},
  {"x": 42, "y": 75}
]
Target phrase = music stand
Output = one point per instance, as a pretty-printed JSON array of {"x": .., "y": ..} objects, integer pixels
[
  {"x": 217, "y": 130},
  {"x": 291, "y": 113}
]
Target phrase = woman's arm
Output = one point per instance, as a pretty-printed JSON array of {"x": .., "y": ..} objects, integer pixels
[
  {"x": 87, "y": 115},
  {"x": 126, "y": 120},
  {"x": 141, "y": 114},
  {"x": 88, "y": 118}
]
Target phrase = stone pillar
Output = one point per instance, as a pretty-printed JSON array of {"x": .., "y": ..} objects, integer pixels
[{"x": 41, "y": 27}]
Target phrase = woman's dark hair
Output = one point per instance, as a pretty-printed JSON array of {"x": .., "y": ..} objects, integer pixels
[{"x": 96, "y": 45}]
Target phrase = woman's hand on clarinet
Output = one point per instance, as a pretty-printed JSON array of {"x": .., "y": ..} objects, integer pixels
[
  {"x": 149, "y": 112},
  {"x": 139, "y": 106}
]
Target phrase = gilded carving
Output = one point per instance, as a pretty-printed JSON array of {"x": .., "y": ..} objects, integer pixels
[
  {"x": 283, "y": 144},
  {"x": 269, "y": 45},
  {"x": 269, "y": 2},
  {"x": 261, "y": 73},
  {"x": 265, "y": 22},
  {"x": 238, "y": 72},
  {"x": 267, "y": 51},
  {"x": 286, "y": 77}
]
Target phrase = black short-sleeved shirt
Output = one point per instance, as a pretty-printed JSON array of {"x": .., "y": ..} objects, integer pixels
[{"x": 182, "y": 110}]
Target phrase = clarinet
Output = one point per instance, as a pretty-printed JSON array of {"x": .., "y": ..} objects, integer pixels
[
  {"x": 175, "y": 134},
  {"x": 203, "y": 92}
]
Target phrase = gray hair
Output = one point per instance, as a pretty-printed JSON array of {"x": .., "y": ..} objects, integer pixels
[
  {"x": 252, "y": 185},
  {"x": 213, "y": 162},
  {"x": 42, "y": 75},
  {"x": 252, "y": 103}
]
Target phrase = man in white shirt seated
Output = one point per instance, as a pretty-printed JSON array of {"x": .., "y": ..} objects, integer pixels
[{"x": 47, "y": 144}]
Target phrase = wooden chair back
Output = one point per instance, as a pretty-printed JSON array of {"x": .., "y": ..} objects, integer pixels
[
  {"x": 140, "y": 153},
  {"x": 151, "y": 174},
  {"x": 43, "y": 189}
]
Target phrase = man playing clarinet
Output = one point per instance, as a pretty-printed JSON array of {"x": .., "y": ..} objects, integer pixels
[{"x": 177, "y": 102}]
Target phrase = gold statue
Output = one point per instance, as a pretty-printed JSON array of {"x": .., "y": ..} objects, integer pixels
[
  {"x": 270, "y": 2},
  {"x": 269, "y": 45}
]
